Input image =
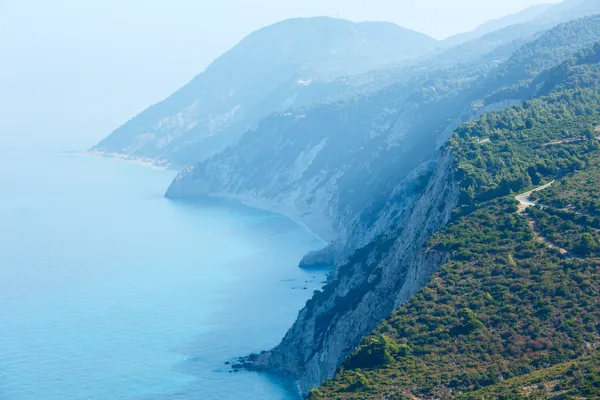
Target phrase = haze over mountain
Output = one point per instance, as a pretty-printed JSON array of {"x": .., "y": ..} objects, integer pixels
[
  {"x": 289, "y": 64},
  {"x": 502, "y": 42},
  {"x": 99, "y": 70},
  {"x": 526, "y": 15}
]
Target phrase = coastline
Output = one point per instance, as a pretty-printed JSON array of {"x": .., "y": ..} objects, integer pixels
[
  {"x": 242, "y": 362},
  {"x": 151, "y": 163},
  {"x": 315, "y": 228},
  {"x": 320, "y": 231},
  {"x": 144, "y": 162},
  {"x": 234, "y": 201},
  {"x": 185, "y": 346}
]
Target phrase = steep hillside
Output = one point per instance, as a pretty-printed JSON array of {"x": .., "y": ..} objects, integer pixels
[
  {"x": 291, "y": 63},
  {"x": 540, "y": 54},
  {"x": 367, "y": 173},
  {"x": 337, "y": 166},
  {"x": 513, "y": 311}
]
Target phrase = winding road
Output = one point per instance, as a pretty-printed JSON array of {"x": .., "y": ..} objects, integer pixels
[
  {"x": 524, "y": 199},
  {"x": 524, "y": 204}
]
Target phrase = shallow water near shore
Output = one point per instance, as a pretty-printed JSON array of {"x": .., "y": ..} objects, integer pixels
[{"x": 110, "y": 291}]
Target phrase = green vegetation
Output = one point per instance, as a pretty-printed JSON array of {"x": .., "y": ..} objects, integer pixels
[
  {"x": 580, "y": 193},
  {"x": 512, "y": 79},
  {"x": 504, "y": 306},
  {"x": 521, "y": 152},
  {"x": 376, "y": 351},
  {"x": 508, "y": 316},
  {"x": 570, "y": 380},
  {"x": 577, "y": 234}
]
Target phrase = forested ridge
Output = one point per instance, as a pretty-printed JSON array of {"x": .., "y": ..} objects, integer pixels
[
  {"x": 513, "y": 78},
  {"x": 515, "y": 311}
]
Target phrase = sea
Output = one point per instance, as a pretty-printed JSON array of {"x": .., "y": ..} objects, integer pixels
[{"x": 110, "y": 291}]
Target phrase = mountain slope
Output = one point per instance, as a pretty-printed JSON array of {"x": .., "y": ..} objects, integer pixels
[
  {"x": 367, "y": 173},
  {"x": 513, "y": 36},
  {"x": 510, "y": 314},
  {"x": 335, "y": 166},
  {"x": 511, "y": 80},
  {"x": 287, "y": 64}
]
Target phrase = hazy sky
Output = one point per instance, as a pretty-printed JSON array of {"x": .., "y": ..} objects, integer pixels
[{"x": 85, "y": 66}]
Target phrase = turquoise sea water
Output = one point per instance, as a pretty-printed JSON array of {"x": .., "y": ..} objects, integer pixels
[{"x": 109, "y": 291}]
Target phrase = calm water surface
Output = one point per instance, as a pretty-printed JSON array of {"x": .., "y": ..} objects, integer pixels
[{"x": 109, "y": 291}]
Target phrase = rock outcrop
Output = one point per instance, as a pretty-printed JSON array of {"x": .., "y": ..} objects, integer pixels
[{"x": 376, "y": 280}]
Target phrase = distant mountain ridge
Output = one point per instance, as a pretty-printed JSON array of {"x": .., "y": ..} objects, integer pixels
[
  {"x": 517, "y": 18},
  {"x": 300, "y": 62},
  {"x": 288, "y": 64},
  {"x": 510, "y": 38}
]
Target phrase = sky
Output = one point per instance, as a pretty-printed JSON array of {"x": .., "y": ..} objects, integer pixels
[{"x": 80, "y": 68}]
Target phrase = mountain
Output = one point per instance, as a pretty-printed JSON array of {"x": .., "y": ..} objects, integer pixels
[
  {"x": 332, "y": 165},
  {"x": 513, "y": 19},
  {"x": 510, "y": 38},
  {"x": 366, "y": 173},
  {"x": 289, "y": 64},
  {"x": 510, "y": 81},
  {"x": 513, "y": 310},
  {"x": 297, "y": 68}
]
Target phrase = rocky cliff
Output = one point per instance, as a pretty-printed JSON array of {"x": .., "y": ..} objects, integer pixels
[
  {"x": 377, "y": 279},
  {"x": 366, "y": 173},
  {"x": 492, "y": 323},
  {"x": 305, "y": 163},
  {"x": 336, "y": 166}
]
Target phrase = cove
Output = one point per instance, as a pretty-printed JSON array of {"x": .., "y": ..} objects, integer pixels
[{"x": 110, "y": 291}]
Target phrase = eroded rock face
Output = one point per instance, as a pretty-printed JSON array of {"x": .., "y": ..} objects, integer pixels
[
  {"x": 379, "y": 186},
  {"x": 318, "y": 166},
  {"x": 288, "y": 166},
  {"x": 336, "y": 167},
  {"x": 377, "y": 279}
]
